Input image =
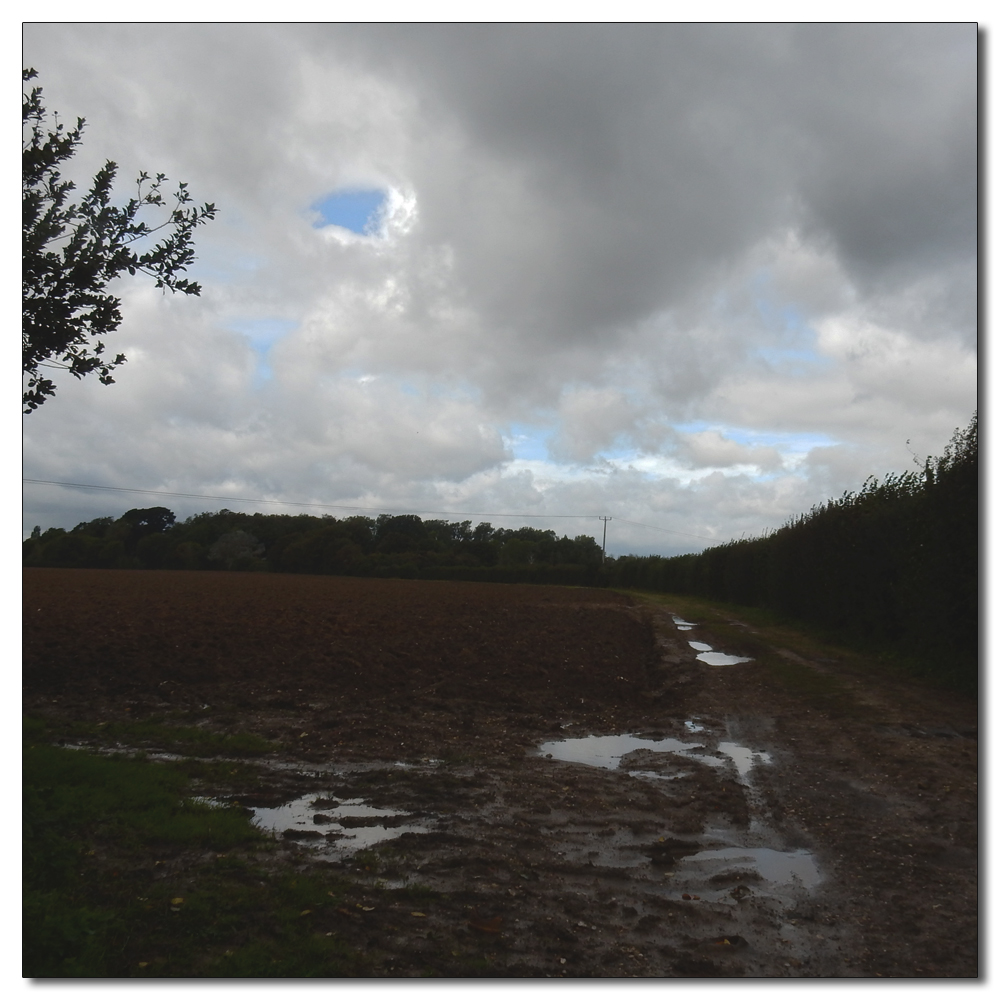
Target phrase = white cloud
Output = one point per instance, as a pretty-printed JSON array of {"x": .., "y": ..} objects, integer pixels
[
  {"x": 710, "y": 448},
  {"x": 725, "y": 277}
]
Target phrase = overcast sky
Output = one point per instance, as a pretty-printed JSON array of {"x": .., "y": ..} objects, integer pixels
[{"x": 694, "y": 277}]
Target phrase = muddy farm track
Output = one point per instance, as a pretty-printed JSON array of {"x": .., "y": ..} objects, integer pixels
[{"x": 788, "y": 816}]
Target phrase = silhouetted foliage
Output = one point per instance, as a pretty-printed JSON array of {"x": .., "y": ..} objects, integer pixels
[
  {"x": 70, "y": 252},
  {"x": 236, "y": 549},
  {"x": 390, "y": 545}
]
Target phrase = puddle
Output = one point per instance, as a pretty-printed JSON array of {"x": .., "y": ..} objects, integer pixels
[
  {"x": 720, "y": 862},
  {"x": 707, "y": 655},
  {"x": 705, "y": 652},
  {"x": 780, "y": 867},
  {"x": 721, "y": 659},
  {"x": 607, "y": 752},
  {"x": 722, "y": 865},
  {"x": 340, "y": 826},
  {"x": 743, "y": 757}
]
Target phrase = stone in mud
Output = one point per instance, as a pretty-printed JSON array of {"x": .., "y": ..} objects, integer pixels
[
  {"x": 302, "y": 834},
  {"x": 666, "y": 853},
  {"x": 728, "y": 942},
  {"x": 387, "y": 821}
]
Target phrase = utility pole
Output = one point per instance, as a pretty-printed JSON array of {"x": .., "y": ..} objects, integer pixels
[{"x": 605, "y": 539}]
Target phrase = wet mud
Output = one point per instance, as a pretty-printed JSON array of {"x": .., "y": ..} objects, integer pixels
[{"x": 572, "y": 788}]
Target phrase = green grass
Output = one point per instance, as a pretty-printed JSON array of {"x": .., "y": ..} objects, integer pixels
[
  {"x": 111, "y": 843},
  {"x": 120, "y": 797}
]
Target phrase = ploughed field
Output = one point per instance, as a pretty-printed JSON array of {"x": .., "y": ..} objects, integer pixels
[{"x": 421, "y": 754}]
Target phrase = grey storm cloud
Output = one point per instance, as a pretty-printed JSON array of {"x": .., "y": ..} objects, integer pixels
[
  {"x": 647, "y": 159},
  {"x": 631, "y": 240}
]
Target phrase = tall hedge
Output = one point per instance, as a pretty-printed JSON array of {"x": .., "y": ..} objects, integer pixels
[{"x": 895, "y": 564}]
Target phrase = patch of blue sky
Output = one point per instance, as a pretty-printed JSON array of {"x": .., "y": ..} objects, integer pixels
[
  {"x": 354, "y": 209},
  {"x": 620, "y": 451},
  {"x": 783, "y": 441},
  {"x": 796, "y": 352},
  {"x": 528, "y": 443},
  {"x": 796, "y": 347},
  {"x": 262, "y": 334},
  {"x": 778, "y": 315}
]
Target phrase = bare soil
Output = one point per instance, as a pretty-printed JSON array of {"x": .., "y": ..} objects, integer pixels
[{"x": 432, "y": 699}]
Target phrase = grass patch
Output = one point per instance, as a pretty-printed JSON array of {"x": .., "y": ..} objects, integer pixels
[
  {"x": 124, "y": 798},
  {"x": 117, "y": 883},
  {"x": 74, "y": 803}
]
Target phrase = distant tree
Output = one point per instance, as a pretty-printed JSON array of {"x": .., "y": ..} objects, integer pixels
[
  {"x": 235, "y": 547},
  {"x": 72, "y": 251},
  {"x": 149, "y": 519}
]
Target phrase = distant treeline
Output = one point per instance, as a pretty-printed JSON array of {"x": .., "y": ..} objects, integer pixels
[
  {"x": 385, "y": 546},
  {"x": 895, "y": 565}
]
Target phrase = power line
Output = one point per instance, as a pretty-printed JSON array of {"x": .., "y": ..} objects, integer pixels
[
  {"x": 293, "y": 503},
  {"x": 604, "y": 539},
  {"x": 333, "y": 506}
]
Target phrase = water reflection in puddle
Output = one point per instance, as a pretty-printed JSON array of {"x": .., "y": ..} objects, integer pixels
[
  {"x": 705, "y": 652},
  {"x": 743, "y": 757},
  {"x": 721, "y": 659},
  {"x": 607, "y": 752},
  {"x": 334, "y": 826},
  {"x": 783, "y": 867},
  {"x": 712, "y": 872},
  {"x": 714, "y": 659}
]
